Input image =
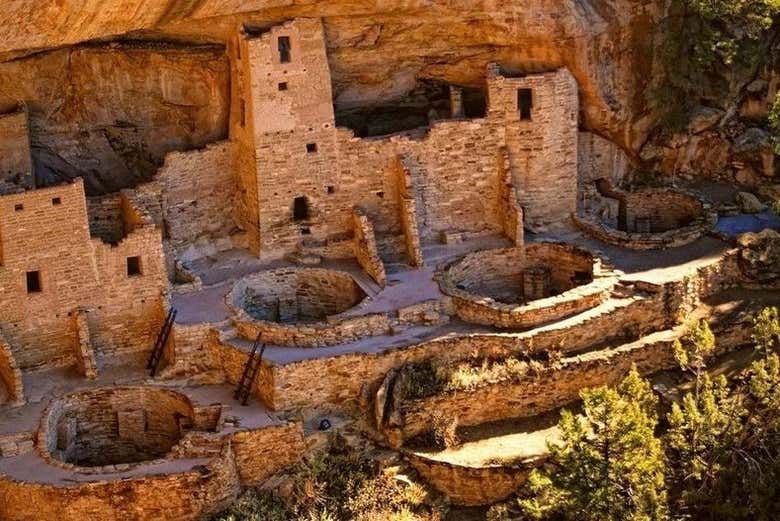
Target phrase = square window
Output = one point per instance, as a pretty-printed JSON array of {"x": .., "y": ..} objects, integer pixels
[
  {"x": 330, "y": 189},
  {"x": 18, "y": 207},
  {"x": 311, "y": 148},
  {"x": 34, "y": 282},
  {"x": 56, "y": 201},
  {"x": 133, "y": 266},
  {"x": 380, "y": 194},
  {"x": 282, "y": 85}
]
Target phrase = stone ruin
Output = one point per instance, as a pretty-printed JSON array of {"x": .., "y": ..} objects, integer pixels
[{"x": 349, "y": 256}]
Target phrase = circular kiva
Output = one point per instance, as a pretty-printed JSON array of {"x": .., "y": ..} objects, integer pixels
[
  {"x": 303, "y": 307},
  {"x": 649, "y": 219},
  {"x": 291, "y": 295},
  {"x": 526, "y": 287},
  {"x": 113, "y": 426}
]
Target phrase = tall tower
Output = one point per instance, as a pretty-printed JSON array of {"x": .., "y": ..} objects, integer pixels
[
  {"x": 539, "y": 113},
  {"x": 286, "y": 113}
]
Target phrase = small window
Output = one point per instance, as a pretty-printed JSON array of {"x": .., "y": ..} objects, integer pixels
[
  {"x": 242, "y": 108},
  {"x": 18, "y": 207},
  {"x": 306, "y": 231},
  {"x": 300, "y": 209},
  {"x": 380, "y": 194},
  {"x": 525, "y": 101},
  {"x": 311, "y": 148},
  {"x": 284, "y": 49},
  {"x": 133, "y": 266},
  {"x": 330, "y": 189},
  {"x": 34, "y": 282},
  {"x": 282, "y": 85},
  {"x": 56, "y": 201}
]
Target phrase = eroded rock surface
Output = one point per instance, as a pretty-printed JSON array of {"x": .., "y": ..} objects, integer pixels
[{"x": 117, "y": 115}]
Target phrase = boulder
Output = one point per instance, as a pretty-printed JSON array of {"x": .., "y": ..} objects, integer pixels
[
  {"x": 704, "y": 118},
  {"x": 749, "y": 203},
  {"x": 759, "y": 255}
]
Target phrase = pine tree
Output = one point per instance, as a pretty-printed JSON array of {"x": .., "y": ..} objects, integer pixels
[
  {"x": 723, "y": 443},
  {"x": 609, "y": 465}
]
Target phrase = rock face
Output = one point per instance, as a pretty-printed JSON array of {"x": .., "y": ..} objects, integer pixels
[
  {"x": 123, "y": 107},
  {"x": 760, "y": 255},
  {"x": 109, "y": 113},
  {"x": 749, "y": 203}
]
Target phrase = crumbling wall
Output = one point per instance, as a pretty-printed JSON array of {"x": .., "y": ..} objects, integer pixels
[
  {"x": 199, "y": 189},
  {"x": 46, "y": 242},
  {"x": 10, "y": 375},
  {"x": 366, "y": 251},
  {"x": 16, "y": 168}
]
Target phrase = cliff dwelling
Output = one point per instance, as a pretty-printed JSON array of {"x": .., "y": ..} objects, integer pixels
[{"x": 277, "y": 251}]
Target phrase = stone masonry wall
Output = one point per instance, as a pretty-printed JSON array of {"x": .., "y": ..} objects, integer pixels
[
  {"x": 538, "y": 391},
  {"x": 407, "y": 202},
  {"x": 105, "y": 217},
  {"x": 199, "y": 190},
  {"x": 542, "y": 148},
  {"x": 457, "y": 175},
  {"x": 47, "y": 231},
  {"x": 10, "y": 375},
  {"x": 366, "y": 250},
  {"x": 183, "y": 496}
]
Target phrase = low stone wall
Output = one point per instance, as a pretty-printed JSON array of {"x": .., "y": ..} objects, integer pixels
[
  {"x": 188, "y": 495},
  {"x": 259, "y": 454},
  {"x": 199, "y": 476},
  {"x": 490, "y": 287},
  {"x": 671, "y": 218},
  {"x": 312, "y": 335},
  {"x": 473, "y": 486},
  {"x": 291, "y": 293},
  {"x": 534, "y": 392}
]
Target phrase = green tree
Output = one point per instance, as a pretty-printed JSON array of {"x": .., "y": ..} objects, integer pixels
[
  {"x": 766, "y": 330},
  {"x": 693, "y": 348},
  {"x": 708, "y": 47},
  {"x": 609, "y": 465},
  {"x": 723, "y": 442}
]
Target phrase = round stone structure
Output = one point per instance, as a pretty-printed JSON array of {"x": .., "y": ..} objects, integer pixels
[
  {"x": 292, "y": 295},
  {"x": 651, "y": 218},
  {"x": 114, "y": 426},
  {"x": 302, "y": 307},
  {"x": 525, "y": 287}
]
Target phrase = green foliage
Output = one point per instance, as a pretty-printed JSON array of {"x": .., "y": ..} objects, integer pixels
[
  {"x": 702, "y": 41},
  {"x": 694, "y": 347},
  {"x": 723, "y": 447},
  {"x": 336, "y": 486},
  {"x": 609, "y": 465},
  {"x": 766, "y": 329}
]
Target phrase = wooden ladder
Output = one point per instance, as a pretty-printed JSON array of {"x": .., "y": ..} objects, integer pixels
[
  {"x": 249, "y": 374},
  {"x": 159, "y": 345}
]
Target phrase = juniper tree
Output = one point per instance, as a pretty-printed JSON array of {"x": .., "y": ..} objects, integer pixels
[{"x": 609, "y": 465}]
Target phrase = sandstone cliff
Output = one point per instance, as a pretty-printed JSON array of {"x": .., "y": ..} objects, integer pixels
[{"x": 104, "y": 110}]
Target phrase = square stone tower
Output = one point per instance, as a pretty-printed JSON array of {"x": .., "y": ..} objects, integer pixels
[{"x": 288, "y": 125}]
